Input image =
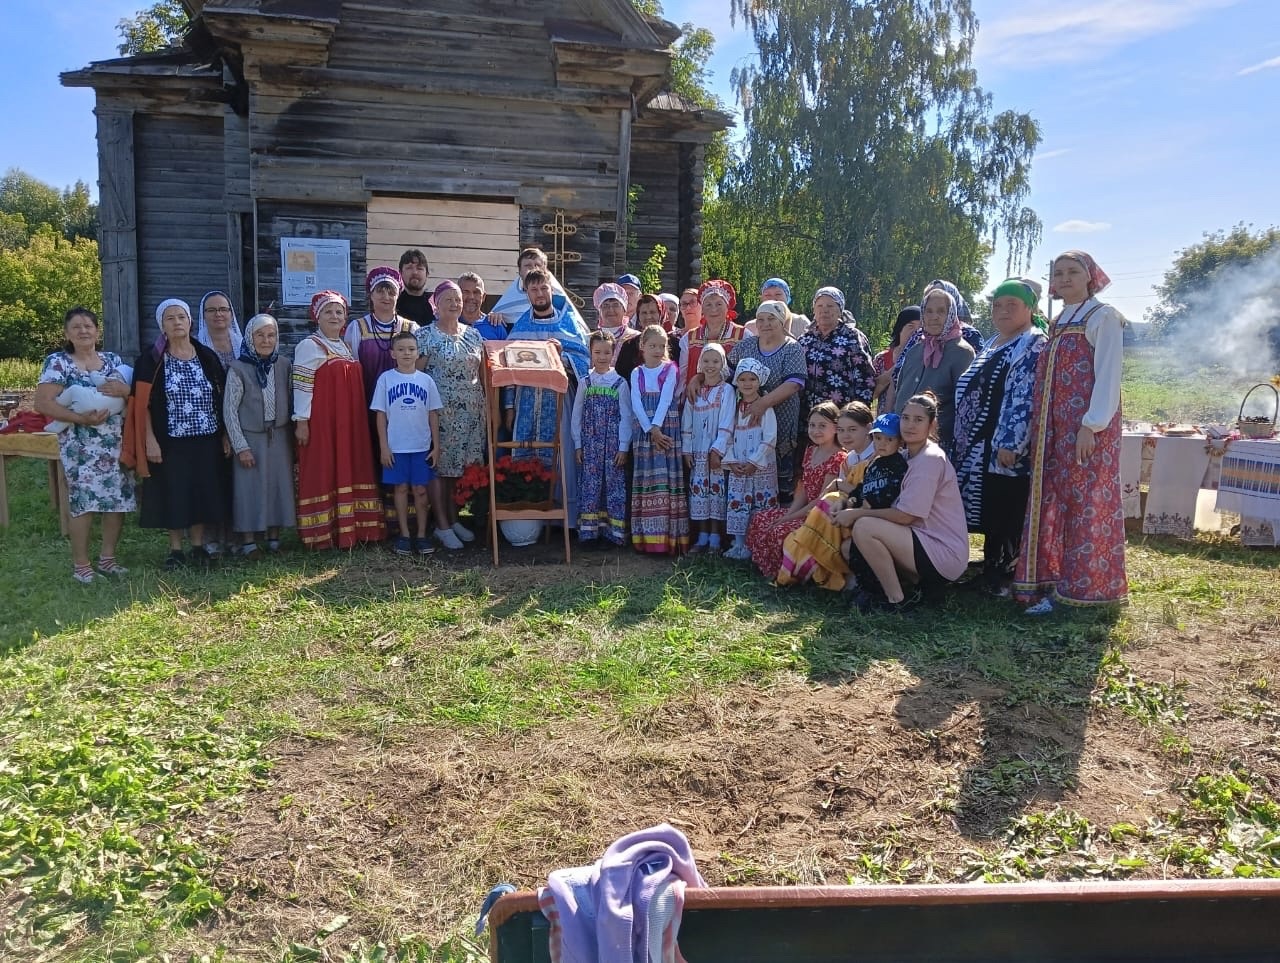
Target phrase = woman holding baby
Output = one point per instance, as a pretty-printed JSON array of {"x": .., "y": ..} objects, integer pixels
[{"x": 73, "y": 379}]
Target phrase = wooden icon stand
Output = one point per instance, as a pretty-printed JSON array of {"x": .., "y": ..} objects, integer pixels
[{"x": 545, "y": 371}]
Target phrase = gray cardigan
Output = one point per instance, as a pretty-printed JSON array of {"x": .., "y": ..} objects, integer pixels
[{"x": 957, "y": 355}]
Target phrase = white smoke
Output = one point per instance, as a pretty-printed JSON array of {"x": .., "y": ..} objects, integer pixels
[{"x": 1234, "y": 320}]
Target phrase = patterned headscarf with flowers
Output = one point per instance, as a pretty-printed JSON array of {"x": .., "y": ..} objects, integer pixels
[
  {"x": 1098, "y": 280},
  {"x": 935, "y": 344}
]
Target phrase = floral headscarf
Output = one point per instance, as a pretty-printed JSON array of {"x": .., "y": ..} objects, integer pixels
[
  {"x": 962, "y": 306},
  {"x": 752, "y": 366},
  {"x": 725, "y": 290},
  {"x": 935, "y": 344},
  {"x": 834, "y": 293},
  {"x": 1098, "y": 280},
  {"x": 202, "y": 329},
  {"x": 249, "y": 354}
]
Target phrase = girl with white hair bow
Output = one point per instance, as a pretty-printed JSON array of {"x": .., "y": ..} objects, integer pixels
[{"x": 746, "y": 452}]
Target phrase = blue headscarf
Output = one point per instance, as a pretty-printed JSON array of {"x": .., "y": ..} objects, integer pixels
[
  {"x": 248, "y": 354},
  {"x": 779, "y": 283}
]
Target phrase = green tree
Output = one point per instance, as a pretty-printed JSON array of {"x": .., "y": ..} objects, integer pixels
[
  {"x": 71, "y": 211},
  {"x": 1197, "y": 267},
  {"x": 39, "y": 281},
  {"x": 159, "y": 26},
  {"x": 690, "y": 78},
  {"x": 872, "y": 159}
]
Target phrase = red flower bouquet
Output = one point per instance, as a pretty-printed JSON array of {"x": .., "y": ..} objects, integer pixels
[{"x": 517, "y": 481}]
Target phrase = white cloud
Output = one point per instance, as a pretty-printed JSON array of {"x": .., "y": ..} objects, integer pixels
[
  {"x": 1077, "y": 226},
  {"x": 1265, "y": 65},
  {"x": 1050, "y": 154},
  {"x": 1056, "y": 33}
]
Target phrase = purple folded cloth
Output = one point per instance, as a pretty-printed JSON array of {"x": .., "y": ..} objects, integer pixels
[{"x": 602, "y": 911}]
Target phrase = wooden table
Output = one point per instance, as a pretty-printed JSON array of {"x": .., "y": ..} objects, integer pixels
[{"x": 41, "y": 444}]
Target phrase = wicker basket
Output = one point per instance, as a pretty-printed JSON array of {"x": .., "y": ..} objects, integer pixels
[{"x": 1258, "y": 428}]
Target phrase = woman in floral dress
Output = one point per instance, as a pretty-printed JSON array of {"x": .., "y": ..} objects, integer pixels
[
  {"x": 452, "y": 352},
  {"x": 1073, "y": 536},
  {"x": 89, "y": 447}
]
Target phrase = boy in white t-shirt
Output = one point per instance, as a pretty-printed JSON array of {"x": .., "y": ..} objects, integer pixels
[{"x": 406, "y": 401}]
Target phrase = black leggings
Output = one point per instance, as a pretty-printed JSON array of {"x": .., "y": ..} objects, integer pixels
[{"x": 1004, "y": 508}]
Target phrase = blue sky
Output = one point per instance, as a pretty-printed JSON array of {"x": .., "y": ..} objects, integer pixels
[
  {"x": 1158, "y": 119},
  {"x": 1158, "y": 116}
]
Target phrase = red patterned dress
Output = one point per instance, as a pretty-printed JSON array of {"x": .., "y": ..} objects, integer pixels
[
  {"x": 1073, "y": 537},
  {"x": 770, "y": 528},
  {"x": 338, "y": 501}
]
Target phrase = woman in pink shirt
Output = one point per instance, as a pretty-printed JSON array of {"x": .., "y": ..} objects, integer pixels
[{"x": 923, "y": 537}]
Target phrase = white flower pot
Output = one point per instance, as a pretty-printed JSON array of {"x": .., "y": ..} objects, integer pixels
[{"x": 521, "y": 531}]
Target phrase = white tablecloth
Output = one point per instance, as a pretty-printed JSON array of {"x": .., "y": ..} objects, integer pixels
[{"x": 1174, "y": 470}]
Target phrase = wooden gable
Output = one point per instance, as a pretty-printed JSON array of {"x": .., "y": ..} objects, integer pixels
[{"x": 333, "y": 114}]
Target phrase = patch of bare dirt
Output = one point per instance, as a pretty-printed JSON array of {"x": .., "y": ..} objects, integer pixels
[{"x": 793, "y": 783}]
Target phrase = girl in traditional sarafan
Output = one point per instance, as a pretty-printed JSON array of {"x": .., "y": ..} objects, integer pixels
[{"x": 659, "y": 502}]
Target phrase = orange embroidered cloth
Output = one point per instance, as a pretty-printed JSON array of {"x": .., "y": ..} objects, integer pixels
[{"x": 532, "y": 364}]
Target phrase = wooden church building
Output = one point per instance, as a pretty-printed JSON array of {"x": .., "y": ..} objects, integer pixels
[{"x": 289, "y": 140}]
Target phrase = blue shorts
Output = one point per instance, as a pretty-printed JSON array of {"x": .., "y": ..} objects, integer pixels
[{"x": 410, "y": 468}]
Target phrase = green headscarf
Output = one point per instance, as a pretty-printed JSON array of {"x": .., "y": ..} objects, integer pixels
[{"x": 1020, "y": 289}]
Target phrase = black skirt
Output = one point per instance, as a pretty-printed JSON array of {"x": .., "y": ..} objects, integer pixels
[{"x": 188, "y": 487}]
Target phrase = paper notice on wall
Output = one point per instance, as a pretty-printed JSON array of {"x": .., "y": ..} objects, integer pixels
[{"x": 311, "y": 264}]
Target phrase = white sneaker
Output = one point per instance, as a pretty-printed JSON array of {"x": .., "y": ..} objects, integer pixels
[
  {"x": 448, "y": 539},
  {"x": 1043, "y": 607},
  {"x": 463, "y": 532},
  {"x": 739, "y": 553}
]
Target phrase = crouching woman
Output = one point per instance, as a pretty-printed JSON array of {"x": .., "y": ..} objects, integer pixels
[{"x": 922, "y": 538}]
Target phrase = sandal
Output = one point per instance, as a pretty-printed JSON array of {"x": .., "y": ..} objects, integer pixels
[{"x": 108, "y": 565}]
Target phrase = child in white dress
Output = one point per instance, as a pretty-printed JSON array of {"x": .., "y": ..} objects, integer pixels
[{"x": 748, "y": 454}]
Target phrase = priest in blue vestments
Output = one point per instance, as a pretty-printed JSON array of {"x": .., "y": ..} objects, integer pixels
[{"x": 531, "y": 412}]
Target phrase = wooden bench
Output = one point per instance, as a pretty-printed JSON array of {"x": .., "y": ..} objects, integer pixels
[
  {"x": 40, "y": 444},
  {"x": 1166, "y": 921}
]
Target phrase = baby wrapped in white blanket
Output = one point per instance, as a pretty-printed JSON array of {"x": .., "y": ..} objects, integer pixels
[{"x": 82, "y": 399}]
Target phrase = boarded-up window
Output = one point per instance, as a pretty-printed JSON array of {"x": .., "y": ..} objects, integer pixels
[{"x": 455, "y": 235}]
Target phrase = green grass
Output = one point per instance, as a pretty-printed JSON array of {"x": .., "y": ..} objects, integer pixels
[
  {"x": 127, "y": 708},
  {"x": 1163, "y": 384},
  {"x": 18, "y": 375}
]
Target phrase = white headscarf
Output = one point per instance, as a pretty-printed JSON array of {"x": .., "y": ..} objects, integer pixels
[
  {"x": 162, "y": 343},
  {"x": 202, "y": 331}
]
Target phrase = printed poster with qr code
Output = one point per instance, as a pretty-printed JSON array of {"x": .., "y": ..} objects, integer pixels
[{"x": 311, "y": 264}]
